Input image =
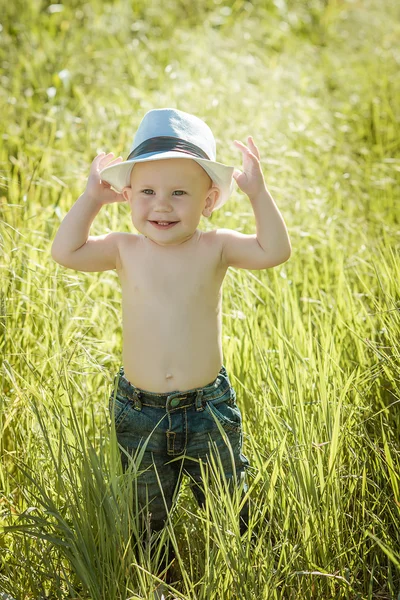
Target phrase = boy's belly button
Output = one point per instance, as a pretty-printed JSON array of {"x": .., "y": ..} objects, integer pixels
[{"x": 168, "y": 376}]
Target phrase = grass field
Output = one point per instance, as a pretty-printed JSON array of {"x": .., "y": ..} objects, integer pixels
[{"x": 312, "y": 345}]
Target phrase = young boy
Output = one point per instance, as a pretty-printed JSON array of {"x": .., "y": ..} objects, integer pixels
[{"x": 173, "y": 385}]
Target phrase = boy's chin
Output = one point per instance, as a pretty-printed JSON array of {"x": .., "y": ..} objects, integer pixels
[{"x": 167, "y": 238}]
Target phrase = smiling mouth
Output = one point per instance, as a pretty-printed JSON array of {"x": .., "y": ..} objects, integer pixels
[{"x": 163, "y": 224}]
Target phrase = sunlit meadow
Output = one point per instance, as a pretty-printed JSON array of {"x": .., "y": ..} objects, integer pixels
[{"x": 312, "y": 346}]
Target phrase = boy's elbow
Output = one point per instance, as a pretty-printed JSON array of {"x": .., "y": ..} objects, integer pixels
[
  {"x": 287, "y": 255},
  {"x": 288, "y": 251},
  {"x": 57, "y": 256},
  {"x": 53, "y": 253},
  {"x": 284, "y": 257},
  {"x": 56, "y": 259}
]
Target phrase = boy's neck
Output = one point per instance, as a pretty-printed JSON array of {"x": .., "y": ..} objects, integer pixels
[{"x": 192, "y": 239}]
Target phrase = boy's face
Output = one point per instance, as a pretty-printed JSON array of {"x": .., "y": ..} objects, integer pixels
[{"x": 174, "y": 189}]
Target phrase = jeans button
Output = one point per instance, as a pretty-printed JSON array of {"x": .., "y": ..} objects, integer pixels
[{"x": 175, "y": 401}]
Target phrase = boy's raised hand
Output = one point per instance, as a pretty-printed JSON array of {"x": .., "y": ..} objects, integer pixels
[
  {"x": 96, "y": 188},
  {"x": 251, "y": 180}
]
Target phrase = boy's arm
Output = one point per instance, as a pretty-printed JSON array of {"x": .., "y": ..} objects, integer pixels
[
  {"x": 271, "y": 245},
  {"x": 72, "y": 246},
  {"x": 268, "y": 248}
]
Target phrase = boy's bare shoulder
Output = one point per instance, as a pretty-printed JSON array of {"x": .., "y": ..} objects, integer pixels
[
  {"x": 214, "y": 239},
  {"x": 217, "y": 239},
  {"x": 125, "y": 241},
  {"x": 125, "y": 236}
]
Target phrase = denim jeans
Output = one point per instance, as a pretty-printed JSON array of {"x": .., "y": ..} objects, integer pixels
[{"x": 180, "y": 424}]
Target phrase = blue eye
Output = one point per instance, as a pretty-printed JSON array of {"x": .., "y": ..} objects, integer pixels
[
  {"x": 180, "y": 192},
  {"x": 147, "y": 190}
]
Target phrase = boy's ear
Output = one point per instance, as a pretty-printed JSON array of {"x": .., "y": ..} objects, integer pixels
[
  {"x": 212, "y": 198},
  {"x": 127, "y": 193}
]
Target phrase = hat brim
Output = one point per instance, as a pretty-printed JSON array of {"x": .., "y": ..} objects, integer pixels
[{"x": 118, "y": 176}]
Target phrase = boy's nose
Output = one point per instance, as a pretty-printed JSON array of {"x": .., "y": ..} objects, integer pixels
[
  {"x": 162, "y": 201},
  {"x": 163, "y": 207}
]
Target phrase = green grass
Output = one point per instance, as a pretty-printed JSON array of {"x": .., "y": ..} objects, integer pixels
[{"x": 312, "y": 345}]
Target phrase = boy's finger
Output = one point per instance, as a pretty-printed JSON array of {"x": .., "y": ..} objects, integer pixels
[
  {"x": 251, "y": 141},
  {"x": 115, "y": 161},
  {"x": 118, "y": 159},
  {"x": 240, "y": 144},
  {"x": 106, "y": 161},
  {"x": 107, "y": 156},
  {"x": 103, "y": 155},
  {"x": 244, "y": 148},
  {"x": 97, "y": 158},
  {"x": 255, "y": 149}
]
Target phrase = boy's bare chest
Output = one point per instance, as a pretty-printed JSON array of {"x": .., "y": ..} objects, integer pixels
[{"x": 192, "y": 273}]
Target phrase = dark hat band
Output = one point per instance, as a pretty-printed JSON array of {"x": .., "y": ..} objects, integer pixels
[{"x": 165, "y": 144}]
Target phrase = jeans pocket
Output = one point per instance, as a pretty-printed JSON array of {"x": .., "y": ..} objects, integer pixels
[
  {"x": 227, "y": 412},
  {"x": 122, "y": 405}
]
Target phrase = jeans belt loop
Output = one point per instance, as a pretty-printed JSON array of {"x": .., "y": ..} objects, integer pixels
[
  {"x": 137, "y": 401},
  {"x": 199, "y": 401}
]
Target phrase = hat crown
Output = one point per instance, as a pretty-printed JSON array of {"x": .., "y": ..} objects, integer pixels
[{"x": 171, "y": 122}]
